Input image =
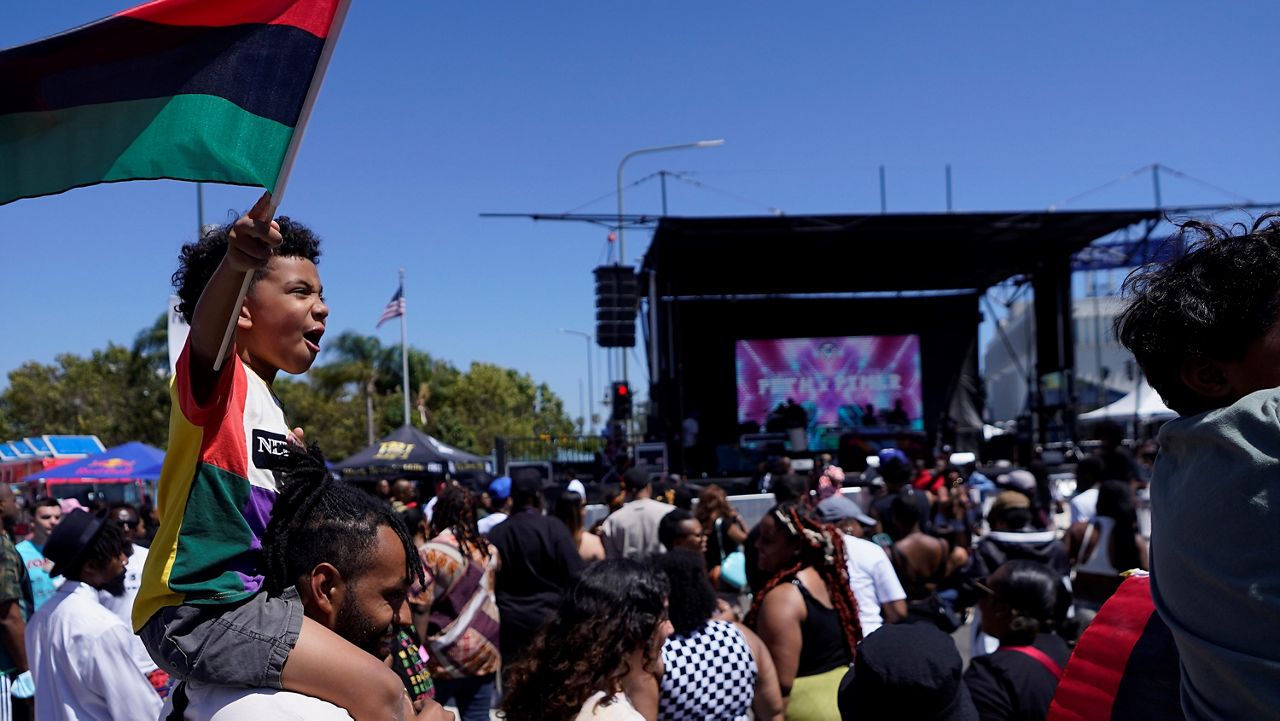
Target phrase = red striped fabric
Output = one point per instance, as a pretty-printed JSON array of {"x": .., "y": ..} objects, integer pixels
[
  {"x": 314, "y": 16},
  {"x": 1087, "y": 690}
]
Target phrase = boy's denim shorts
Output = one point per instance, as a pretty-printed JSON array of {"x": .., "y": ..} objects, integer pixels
[{"x": 243, "y": 645}]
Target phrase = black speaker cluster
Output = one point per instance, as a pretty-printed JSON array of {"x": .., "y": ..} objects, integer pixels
[{"x": 616, "y": 303}]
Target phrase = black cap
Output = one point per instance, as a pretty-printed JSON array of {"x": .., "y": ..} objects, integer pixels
[
  {"x": 70, "y": 539},
  {"x": 635, "y": 479},
  {"x": 526, "y": 482},
  {"x": 907, "y": 671}
]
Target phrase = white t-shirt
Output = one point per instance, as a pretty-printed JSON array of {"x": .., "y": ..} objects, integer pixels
[
  {"x": 489, "y": 522},
  {"x": 221, "y": 703},
  {"x": 873, "y": 580},
  {"x": 122, "y": 606},
  {"x": 1084, "y": 506},
  {"x": 620, "y": 709}
]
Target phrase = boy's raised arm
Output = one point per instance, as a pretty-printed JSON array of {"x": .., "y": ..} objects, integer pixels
[{"x": 249, "y": 247}]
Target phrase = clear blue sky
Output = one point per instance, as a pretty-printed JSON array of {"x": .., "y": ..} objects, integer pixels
[{"x": 435, "y": 112}]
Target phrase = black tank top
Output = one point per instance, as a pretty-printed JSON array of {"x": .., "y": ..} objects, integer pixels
[{"x": 823, "y": 644}]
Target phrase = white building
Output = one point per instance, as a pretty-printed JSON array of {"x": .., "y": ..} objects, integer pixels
[{"x": 1105, "y": 371}]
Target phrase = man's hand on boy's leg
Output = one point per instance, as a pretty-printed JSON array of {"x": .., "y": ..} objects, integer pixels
[{"x": 250, "y": 244}]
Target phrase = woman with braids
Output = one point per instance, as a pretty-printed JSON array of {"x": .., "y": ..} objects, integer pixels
[
  {"x": 605, "y": 641},
  {"x": 806, "y": 612},
  {"x": 456, "y": 612}
]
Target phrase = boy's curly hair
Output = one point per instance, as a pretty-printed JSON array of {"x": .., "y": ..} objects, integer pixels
[
  {"x": 614, "y": 609},
  {"x": 198, "y": 260},
  {"x": 1213, "y": 302}
]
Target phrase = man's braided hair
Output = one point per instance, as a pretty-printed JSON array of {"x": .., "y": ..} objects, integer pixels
[
  {"x": 821, "y": 548},
  {"x": 319, "y": 520}
]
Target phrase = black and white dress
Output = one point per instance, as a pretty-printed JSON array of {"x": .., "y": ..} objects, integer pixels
[{"x": 710, "y": 674}]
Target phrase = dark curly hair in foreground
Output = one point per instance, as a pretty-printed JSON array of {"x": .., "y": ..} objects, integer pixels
[
  {"x": 614, "y": 610},
  {"x": 1213, "y": 302},
  {"x": 821, "y": 546},
  {"x": 319, "y": 520},
  {"x": 198, "y": 260}
]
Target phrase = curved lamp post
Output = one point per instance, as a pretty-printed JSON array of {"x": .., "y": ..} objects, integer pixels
[{"x": 657, "y": 149}]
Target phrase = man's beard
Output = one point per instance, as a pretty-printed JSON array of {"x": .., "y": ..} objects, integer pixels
[
  {"x": 362, "y": 631},
  {"x": 115, "y": 587}
]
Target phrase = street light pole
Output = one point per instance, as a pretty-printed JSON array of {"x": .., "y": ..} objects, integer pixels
[
  {"x": 622, "y": 255},
  {"x": 591, "y": 383}
]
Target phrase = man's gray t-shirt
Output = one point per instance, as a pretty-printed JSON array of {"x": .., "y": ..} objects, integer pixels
[
  {"x": 1215, "y": 541},
  {"x": 633, "y": 529}
]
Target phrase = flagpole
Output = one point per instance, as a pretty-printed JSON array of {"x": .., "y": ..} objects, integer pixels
[
  {"x": 404, "y": 348},
  {"x": 286, "y": 168}
]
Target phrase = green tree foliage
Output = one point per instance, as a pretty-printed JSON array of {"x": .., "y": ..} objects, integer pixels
[
  {"x": 489, "y": 401},
  {"x": 116, "y": 394},
  {"x": 121, "y": 394}
]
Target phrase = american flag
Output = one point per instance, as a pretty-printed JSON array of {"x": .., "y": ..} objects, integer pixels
[{"x": 394, "y": 309}]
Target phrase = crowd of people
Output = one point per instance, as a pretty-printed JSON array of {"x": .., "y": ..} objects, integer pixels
[
  {"x": 768, "y": 617},
  {"x": 269, "y": 589},
  {"x": 656, "y": 611}
]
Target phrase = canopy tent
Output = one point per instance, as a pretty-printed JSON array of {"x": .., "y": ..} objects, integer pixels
[
  {"x": 1143, "y": 402},
  {"x": 409, "y": 453},
  {"x": 124, "y": 463}
]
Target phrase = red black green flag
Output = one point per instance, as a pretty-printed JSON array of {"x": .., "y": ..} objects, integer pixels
[{"x": 203, "y": 90}]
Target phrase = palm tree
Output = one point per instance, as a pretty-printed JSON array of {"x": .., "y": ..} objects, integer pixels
[{"x": 359, "y": 358}]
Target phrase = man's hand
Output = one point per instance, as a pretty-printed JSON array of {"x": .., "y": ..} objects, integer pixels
[
  {"x": 253, "y": 238},
  {"x": 425, "y": 710},
  {"x": 298, "y": 438}
]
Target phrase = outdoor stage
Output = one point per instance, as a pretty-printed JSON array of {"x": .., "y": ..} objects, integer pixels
[{"x": 712, "y": 284}]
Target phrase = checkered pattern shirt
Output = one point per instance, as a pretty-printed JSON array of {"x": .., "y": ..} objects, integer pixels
[{"x": 710, "y": 674}]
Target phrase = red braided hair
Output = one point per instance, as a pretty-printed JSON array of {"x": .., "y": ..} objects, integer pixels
[{"x": 822, "y": 548}]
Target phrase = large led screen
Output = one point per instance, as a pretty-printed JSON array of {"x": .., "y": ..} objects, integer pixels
[{"x": 833, "y": 379}]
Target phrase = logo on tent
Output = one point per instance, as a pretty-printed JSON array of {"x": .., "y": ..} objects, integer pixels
[
  {"x": 115, "y": 466},
  {"x": 394, "y": 451}
]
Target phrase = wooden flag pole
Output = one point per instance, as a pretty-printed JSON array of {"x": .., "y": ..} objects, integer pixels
[{"x": 286, "y": 168}]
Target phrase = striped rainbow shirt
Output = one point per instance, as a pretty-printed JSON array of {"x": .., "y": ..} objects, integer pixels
[{"x": 216, "y": 492}]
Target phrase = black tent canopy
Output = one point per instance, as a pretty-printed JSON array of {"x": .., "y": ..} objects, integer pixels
[{"x": 409, "y": 453}]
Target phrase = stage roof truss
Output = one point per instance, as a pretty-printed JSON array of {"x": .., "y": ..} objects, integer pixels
[{"x": 769, "y": 255}]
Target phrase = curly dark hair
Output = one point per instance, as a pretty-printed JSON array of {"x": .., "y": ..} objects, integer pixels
[
  {"x": 198, "y": 260},
  {"x": 108, "y": 543},
  {"x": 692, "y": 600},
  {"x": 822, "y": 549},
  {"x": 456, "y": 511},
  {"x": 319, "y": 520},
  {"x": 1213, "y": 302},
  {"x": 615, "y": 609}
]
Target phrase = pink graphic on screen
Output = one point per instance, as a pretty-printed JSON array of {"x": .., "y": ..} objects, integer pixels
[{"x": 826, "y": 374}]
